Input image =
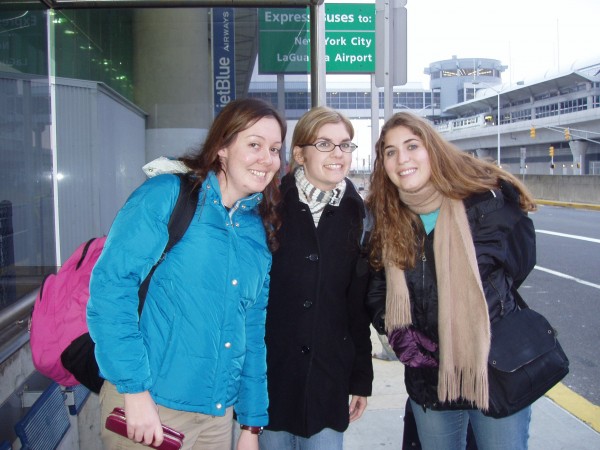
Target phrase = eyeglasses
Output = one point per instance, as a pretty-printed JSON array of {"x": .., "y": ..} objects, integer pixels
[{"x": 326, "y": 146}]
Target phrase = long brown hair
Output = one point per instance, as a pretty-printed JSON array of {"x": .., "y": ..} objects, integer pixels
[
  {"x": 454, "y": 173},
  {"x": 237, "y": 116}
]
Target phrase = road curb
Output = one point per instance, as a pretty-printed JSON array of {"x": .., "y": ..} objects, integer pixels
[
  {"x": 575, "y": 404},
  {"x": 568, "y": 204}
]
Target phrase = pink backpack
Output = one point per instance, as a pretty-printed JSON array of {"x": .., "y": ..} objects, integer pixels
[
  {"x": 59, "y": 312},
  {"x": 61, "y": 346}
]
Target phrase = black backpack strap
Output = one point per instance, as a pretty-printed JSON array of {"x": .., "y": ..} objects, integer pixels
[
  {"x": 183, "y": 212},
  {"x": 180, "y": 220},
  {"x": 84, "y": 253},
  {"x": 367, "y": 227}
]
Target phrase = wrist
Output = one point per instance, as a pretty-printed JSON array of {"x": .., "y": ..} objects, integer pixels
[{"x": 251, "y": 429}]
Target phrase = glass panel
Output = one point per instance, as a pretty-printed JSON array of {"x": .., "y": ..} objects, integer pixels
[
  {"x": 26, "y": 195},
  {"x": 95, "y": 45},
  {"x": 177, "y": 67}
]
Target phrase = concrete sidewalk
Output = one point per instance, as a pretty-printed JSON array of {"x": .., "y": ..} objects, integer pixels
[{"x": 552, "y": 427}]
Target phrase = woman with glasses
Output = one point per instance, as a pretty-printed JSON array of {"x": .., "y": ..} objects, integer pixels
[{"x": 319, "y": 369}]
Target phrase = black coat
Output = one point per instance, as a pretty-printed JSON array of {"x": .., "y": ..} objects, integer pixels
[
  {"x": 317, "y": 330},
  {"x": 504, "y": 239}
]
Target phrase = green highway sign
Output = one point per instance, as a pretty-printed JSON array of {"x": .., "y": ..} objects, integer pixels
[{"x": 284, "y": 39}]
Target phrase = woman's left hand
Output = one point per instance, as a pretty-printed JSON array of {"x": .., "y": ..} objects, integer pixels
[
  {"x": 358, "y": 405},
  {"x": 247, "y": 441}
]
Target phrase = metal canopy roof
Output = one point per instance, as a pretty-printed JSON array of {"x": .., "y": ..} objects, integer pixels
[{"x": 518, "y": 92}]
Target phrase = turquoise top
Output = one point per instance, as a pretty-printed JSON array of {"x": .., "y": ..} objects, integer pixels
[{"x": 429, "y": 220}]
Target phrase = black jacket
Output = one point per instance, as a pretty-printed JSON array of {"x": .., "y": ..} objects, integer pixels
[
  {"x": 504, "y": 239},
  {"x": 317, "y": 331}
]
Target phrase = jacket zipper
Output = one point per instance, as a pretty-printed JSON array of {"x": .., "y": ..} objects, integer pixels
[
  {"x": 423, "y": 261},
  {"x": 500, "y": 299}
]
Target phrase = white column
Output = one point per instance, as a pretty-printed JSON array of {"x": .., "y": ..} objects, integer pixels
[
  {"x": 172, "y": 73},
  {"x": 578, "y": 149}
]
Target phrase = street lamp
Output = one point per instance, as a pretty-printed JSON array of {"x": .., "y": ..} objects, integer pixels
[{"x": 476, "y": 82}]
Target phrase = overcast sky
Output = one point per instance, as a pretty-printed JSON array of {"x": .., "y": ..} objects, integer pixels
[{"x": 530, "y": 36}]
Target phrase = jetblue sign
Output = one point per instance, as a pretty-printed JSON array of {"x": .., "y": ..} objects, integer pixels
[{"x": 223, "y": 57}]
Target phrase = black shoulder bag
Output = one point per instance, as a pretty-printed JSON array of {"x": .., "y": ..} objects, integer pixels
[{"x": 525, "y": 360}]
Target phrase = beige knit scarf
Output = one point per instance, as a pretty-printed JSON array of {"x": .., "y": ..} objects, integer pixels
[{"x": 463, "y": 321}]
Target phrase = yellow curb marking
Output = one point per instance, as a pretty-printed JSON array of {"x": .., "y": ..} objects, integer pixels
[
  {"x": 568, "y": 204},
  {"x": 575, "y": 404}
]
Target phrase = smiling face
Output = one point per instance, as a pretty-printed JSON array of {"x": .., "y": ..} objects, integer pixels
[
  {"x": 325, "y": 170},
  {"x": 251, "y": 161},
  {"x": 405, "y": 159}
]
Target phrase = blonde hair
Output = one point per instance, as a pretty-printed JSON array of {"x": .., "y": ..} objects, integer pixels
[
  {"x": 307, "y": 128},
  {"x": 454, "y": 173}
]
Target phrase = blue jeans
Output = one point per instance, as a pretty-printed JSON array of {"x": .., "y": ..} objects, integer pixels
[
  {"x": 447, "y": 430},
  {"x": 326, "y": 439}
]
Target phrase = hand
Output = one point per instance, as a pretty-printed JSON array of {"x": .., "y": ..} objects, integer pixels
[
  {"x": 143, "y": 422},
  {"x": 410, "y": 345},
  {"x": 247, "y": 441},
  {"x": 358, "y": 405}
]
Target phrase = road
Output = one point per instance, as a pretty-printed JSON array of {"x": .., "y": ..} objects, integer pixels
[{"x": 565, "y": 287}]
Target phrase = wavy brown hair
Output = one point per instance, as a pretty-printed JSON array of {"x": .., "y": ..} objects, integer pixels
[
  {"x": 454, "y": 173},
  {"x": 235, "y": 117}
]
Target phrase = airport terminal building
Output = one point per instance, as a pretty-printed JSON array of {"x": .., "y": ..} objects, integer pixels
[{"x": 547, "y": 125}]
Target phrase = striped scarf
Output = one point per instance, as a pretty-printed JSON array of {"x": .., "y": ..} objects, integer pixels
[{"x": 315, "y": 198}]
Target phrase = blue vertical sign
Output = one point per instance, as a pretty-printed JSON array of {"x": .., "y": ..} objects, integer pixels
[{"x": 223, "y": 39}]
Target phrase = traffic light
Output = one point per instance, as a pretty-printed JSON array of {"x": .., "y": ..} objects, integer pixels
[
  {"x": 551, "y": 150},
  {"x": 567, "y": 134},
  {"x": 532, "y": 132},
  {"x": 552, "y": 166}
]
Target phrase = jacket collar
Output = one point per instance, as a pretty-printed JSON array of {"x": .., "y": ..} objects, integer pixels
[{"x": 212, "y": 190}]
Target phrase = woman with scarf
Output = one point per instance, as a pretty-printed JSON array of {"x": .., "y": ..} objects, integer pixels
[
  {"x": 319, "y": 368},
  {"x": 452, "y": 237}
]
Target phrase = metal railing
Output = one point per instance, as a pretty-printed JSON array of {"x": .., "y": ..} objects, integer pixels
[{"x": 13, "y": 325}]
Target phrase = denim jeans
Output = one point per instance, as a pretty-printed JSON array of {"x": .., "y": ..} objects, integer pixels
[
  {"x": 326, "y": 439},
  {"x": 447, "y": 430}
]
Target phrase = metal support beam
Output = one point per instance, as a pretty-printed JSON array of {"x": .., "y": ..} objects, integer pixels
[
  {"x": 318, "y": 95},
  {"x": 79, "y": 4}
]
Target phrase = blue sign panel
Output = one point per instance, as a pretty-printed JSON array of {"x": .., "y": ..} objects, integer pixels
[{"x": 223, "y": 57}]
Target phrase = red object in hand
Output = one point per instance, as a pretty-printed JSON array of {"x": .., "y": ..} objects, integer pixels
[{"x": 115, "y": 422}]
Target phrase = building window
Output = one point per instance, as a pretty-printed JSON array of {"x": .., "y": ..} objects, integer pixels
[
  {"x": 546, "y": 111},
  {"x": 569, "y": 106},
  {"x": 518, "y": 116}
]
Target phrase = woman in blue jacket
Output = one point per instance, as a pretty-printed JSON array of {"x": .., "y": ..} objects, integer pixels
[{"x": 197, "y": 351}]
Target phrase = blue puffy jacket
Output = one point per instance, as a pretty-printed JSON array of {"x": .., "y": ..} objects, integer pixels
[{"x": 199, "y": 344}]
